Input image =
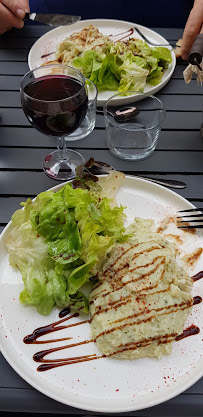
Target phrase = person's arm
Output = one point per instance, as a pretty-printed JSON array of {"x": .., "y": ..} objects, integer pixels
[
  {"x": 193, "y": 27},
  {"x": 12, "y": 13}
]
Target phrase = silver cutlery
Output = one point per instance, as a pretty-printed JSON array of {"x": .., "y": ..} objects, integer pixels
[
  {"x": 152, "y": 43},
  {"x": 52, "y": 19},
  {"x": 122, "y": 115},
  {"x": 100, "y": 168},
  {"x": 185, "y": 221}
]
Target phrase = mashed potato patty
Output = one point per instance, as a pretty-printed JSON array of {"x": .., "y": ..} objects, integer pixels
[{"x": 143, "y": 297}]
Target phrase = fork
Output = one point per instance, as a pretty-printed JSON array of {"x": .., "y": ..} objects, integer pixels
[
  {"x": 151, "y": 43},
  {"x": 198, "y": 219}
]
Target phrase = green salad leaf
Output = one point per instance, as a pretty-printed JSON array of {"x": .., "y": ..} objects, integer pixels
[
  {"x": 124, "y": 66},
  {"x": 59, "y": 241},
  {"x": 162, "y": 54},
  {"x": 89, "y": 62},
  {"x": 132, "y": 75}
]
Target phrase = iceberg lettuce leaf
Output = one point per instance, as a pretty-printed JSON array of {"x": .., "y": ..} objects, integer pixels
[{"x": 132, "y": 75}]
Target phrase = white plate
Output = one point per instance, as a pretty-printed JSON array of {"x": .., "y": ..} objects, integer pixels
[
  {"x": 104, "y": 385},
  {"x": 48, "y": 42}
]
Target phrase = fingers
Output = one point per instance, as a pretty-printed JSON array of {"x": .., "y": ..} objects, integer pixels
[
  {"x": 26, "y": 5},
  {"x": 8, "y": 20},
  {"x": 17, "y": 7},
  {"x": 192, "y": 29}
]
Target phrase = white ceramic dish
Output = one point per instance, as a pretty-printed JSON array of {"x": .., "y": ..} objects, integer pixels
[
  {"x": 48, "y": 42},
  {"x": 105, "y": 385}
]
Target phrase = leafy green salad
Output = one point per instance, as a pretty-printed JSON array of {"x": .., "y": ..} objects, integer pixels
[
  {"x": 120, "y": 66},
  {"x": 58, "y": 242}
]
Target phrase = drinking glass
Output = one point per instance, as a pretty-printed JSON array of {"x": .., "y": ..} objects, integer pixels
[
  {"x": 133, "y": 122},
  {"x": 54, "y": 100},
  {"x": 88, "y": 124}
]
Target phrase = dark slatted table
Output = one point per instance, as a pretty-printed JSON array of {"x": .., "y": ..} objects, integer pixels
[{"x": 179, "y": 155}]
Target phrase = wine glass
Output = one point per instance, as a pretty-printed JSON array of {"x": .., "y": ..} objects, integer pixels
[{"x": 54, "y": 100}]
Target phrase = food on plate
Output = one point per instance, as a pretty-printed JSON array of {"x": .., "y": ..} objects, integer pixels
[
  {"x": 78, "y": 42},
  {"x": 64, "y": 240},
  {"x": 142, "y": 298},
  {"x": 59, "y": 240},
  {"x": 122, "y": 65},
  {"x": 177, "y": 48}
]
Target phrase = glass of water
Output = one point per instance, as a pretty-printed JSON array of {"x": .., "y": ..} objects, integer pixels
[
  {"x": 88, "y": 123},
  {"x": 133, "y": 122}
]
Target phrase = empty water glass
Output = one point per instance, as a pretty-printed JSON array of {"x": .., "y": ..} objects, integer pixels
[{"x": 133, "y": 122}]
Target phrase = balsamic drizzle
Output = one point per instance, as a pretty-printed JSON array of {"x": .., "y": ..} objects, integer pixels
[
  {"x": 190, "y": 331},
  {"x": 197, "y": 276},
  {"x": 64, "y": 316}
]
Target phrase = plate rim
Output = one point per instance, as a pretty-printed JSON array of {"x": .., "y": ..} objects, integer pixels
[
  {"x": 191, "y": 380},
  {"x": 100, "y": 101}
]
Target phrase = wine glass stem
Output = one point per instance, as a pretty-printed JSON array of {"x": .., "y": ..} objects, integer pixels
[{"x": 61, "y": 145}]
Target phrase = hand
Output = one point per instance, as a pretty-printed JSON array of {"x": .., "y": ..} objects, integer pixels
[
  {"x": 193, "y": 27},
  {"x": 12, "y": 13}
]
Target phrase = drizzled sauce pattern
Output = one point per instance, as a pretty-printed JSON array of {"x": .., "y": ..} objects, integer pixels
[
  {"x": 112, "y": 269},
  {"x": 184, "y": 305},
  {"x": 197, "y": 300},
  {"x": 190, "y": 331},
  {"x": 149, "y": 276},
  {"x": 197, "y": 276},
  {"x": 54, "y": 363},
  {"x": 53, "y": 327},
  {"x": 65, "y": 316}
]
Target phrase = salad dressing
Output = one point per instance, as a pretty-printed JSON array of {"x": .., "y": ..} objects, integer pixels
[
  {"x": 50, "y": 328},
  {"x": 54, "y": 363},
  {"x": 53, "y": 327},
  {"x": 197, "y": 300},
  {"x": 198, "y": 276},
  {"x": 190, "y": 331}
]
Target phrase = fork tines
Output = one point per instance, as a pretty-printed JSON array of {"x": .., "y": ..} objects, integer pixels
[
  {"x": 187, "y": 211},
  {"x": 152, "y": 43},
  {"x": 197, "y": 219}
]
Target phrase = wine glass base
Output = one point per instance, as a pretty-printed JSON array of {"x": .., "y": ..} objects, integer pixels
[{"x": 62, "y": 170}]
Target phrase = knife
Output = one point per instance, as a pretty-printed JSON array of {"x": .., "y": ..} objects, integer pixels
[{"x": 52, "y": 19}]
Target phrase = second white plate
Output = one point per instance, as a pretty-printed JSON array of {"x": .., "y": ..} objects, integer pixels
[{"x": 48, "y": 42}]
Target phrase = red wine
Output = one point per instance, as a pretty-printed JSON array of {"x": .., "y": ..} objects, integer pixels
[{"x": 55, "y": 104}]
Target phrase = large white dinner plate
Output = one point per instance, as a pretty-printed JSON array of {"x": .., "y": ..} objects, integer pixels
[
  {"x": 48, "y": 42},
  {"x": 104, "y": 385}
]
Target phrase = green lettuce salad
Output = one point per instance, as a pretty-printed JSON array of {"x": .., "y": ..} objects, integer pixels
[
  {"x": 118, "y": 66},
  {"x": 58, "y": 242}
]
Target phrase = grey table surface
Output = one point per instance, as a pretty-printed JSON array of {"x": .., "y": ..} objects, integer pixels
[{"x": 179, "y": 155}]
